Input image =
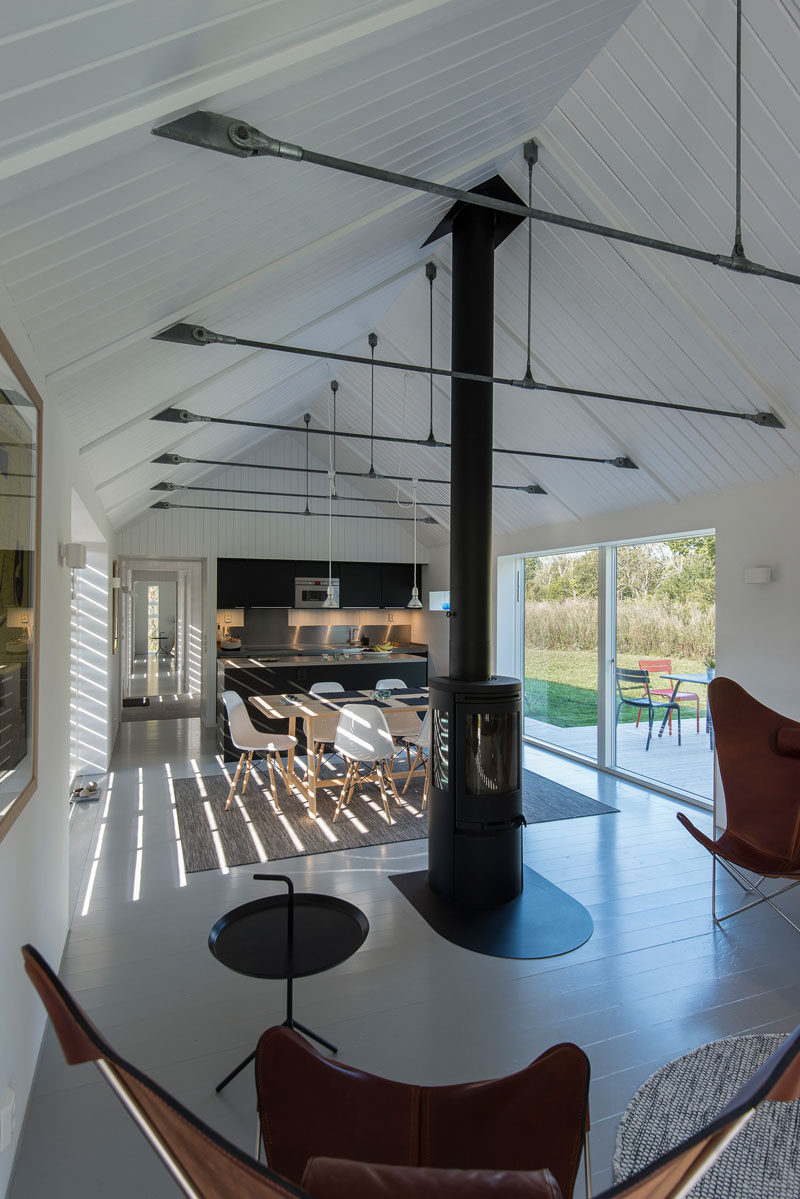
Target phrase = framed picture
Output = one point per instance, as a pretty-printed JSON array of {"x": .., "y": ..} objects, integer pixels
[{"x": 20, "y": 506}]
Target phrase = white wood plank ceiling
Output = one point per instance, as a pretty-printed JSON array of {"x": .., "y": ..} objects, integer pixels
[{"x": 108, "y": 234}]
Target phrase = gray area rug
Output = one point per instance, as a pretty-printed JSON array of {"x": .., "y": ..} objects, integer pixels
[
  {"x": 688, "y": 1093},
  {"x": 253, "y": 830}
]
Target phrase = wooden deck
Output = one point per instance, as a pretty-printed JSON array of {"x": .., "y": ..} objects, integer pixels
[{"x": 685, "y": 767}]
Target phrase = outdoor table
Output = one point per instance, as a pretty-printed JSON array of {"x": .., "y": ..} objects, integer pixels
[
  {"x": 311, "y": 707},
  {"x": 676, "y": 680}
]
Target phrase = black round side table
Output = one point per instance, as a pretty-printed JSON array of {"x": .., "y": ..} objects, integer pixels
[{"x": 287, "y": 936}]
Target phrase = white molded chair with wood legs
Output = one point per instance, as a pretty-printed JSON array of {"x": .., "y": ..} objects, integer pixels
[
  {"x": 421, "y": 744},
  {"x": 363, "y": 736},
  {"x": 248, "y": 740},
  {"x": 322, "y": 731},
  {"x": 401, "y": 724}
]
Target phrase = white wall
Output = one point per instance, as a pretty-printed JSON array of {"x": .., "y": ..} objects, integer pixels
[
  {"x": 34, "y": 853},
  {"x": 758, "y": 631}
]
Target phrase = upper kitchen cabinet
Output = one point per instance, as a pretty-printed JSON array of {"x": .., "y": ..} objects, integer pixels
[
  {"x": 396, "y": 583},
  {"x": 359, "y": 584},
  {"x": 255, "y": 583}
]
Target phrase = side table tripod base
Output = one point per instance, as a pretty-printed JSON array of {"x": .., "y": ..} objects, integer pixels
[{"x": 287, "y": 936}]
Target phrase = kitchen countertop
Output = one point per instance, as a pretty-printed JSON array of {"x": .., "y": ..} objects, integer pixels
[
  {"x": 242, "y": 660},
  {"x": 285, "y": 653}
]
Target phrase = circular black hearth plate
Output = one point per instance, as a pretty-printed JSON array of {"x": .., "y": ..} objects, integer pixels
[
  {"x": 542, "y": 922},
  {"x": 253, "y": 939}
]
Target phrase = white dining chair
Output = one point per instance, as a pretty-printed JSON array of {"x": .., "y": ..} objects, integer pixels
[
  {"x": 248, "y": 740},
  {"x": 402, "y": 725},
  {"x": 322, "y": 730},
  {"x": 421, "y": 744},
  {"x": 363, "y": 736}
]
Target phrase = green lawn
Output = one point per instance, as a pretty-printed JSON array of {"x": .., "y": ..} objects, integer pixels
[{"x": 561, "y": 686}]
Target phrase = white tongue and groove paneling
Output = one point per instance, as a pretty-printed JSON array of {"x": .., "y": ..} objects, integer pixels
[
  {"x": 210, "y": 531},
  {"x": 108, "y": 234}
]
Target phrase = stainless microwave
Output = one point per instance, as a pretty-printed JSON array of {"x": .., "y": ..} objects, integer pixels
[{"x": 311, "y": 593}]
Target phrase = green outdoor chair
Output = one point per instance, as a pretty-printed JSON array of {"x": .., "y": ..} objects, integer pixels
[{"x": 633, "y": 689}]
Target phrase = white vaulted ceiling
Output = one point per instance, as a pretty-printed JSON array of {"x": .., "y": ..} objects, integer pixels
[{"x": 109, "y": 234}]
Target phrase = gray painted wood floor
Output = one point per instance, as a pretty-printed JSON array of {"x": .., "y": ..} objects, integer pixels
[{"x": 655, "y": 979}]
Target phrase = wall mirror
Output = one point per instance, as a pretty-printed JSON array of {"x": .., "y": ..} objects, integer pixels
[{"x": 20, "y": 495}]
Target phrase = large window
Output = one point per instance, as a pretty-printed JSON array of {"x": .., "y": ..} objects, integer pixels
[
  {"x": 618, "y": 649},
  {"x": 560, "y": 656}
]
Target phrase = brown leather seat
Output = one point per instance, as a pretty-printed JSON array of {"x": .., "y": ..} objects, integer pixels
[
  {"x": 757, "y": 751},
  {"x": 312, "y": 1106},
  {"x": 206, "y": 1166}
]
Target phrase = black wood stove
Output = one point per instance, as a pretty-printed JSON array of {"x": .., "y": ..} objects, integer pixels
[{"x": 475, "y": 807}]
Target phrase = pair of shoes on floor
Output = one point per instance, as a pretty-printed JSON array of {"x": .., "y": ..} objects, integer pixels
[{"x": 85, "y": 792}]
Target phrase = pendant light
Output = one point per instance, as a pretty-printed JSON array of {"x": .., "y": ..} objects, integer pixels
[
  {"x": 415, "y": 601},
  {"x": 307, "y": 419},
  {"x": 330, "y": 598},
  {"x": 373, "y": 341}
]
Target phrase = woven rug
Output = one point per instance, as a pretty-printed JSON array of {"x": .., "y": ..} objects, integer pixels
[
  {"x": 252, "y": 830},
  {"x": 685, "y": 1095}
]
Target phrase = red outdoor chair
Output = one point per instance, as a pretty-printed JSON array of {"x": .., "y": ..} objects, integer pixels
[{"x": 664, "y": 666}]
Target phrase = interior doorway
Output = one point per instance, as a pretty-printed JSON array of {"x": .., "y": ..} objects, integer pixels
[{"x": 162, "y": 646}]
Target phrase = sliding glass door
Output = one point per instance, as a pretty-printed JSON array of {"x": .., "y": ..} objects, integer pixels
[
  {"x": 664, "y": 603},
  {"x": 560, "y": 651},
  {"x": 618, "y": 650}
]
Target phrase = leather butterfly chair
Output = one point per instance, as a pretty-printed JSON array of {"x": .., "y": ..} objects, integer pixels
[
  {"x": 206, "y": 1166},
  {"x": 312, "y": 1106},
  {"x": 671, "y": 1176},
  {"x": 758, "y": 751}
]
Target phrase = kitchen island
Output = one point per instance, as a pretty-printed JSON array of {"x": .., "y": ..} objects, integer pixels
[{"x": 296, "y": 673}]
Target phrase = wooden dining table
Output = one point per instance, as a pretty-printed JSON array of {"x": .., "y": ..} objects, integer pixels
[{"x": 310, "y": 708}]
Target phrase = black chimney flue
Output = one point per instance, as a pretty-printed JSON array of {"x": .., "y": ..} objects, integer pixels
[
  {"x": 475, "y": 810},
  {"x": 471, "y": 439}
]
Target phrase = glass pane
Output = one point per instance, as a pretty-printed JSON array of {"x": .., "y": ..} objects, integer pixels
[
  {"x": 560, "y": 687},
  {"x": 152, "y": 618},
  {"x": 664, "y": 661},
  {"x": 18, "y": 471},
  {"x": 441, "y": 749},
  {"x": 492, "y": 760}
]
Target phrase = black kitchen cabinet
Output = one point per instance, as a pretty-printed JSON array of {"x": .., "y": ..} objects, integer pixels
[
  {"x": 255, "y": 583},
  {"x": 313, "y": 570},
  {"x": 359, "y": 584},
  {"x": 396, "y": 583},
  {"x": 269, "y": 582}
]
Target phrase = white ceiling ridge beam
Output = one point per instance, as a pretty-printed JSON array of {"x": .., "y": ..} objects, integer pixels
[
  {"x": 262, "y": 274},
  {"x": 188, "y": 393},
  {"x": 657, "y": 265},
  {"x": 191, "y": 92}
]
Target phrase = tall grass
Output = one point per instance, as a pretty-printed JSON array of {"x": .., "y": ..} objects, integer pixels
[{"x": 644, "y": 627}]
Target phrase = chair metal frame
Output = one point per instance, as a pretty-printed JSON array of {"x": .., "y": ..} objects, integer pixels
[
  {"x": 729, "y": 698},
  {"x": 744, "y": 882},
  {"x": 624, "y": 674},
  {"x": 685, "y": 697}
]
